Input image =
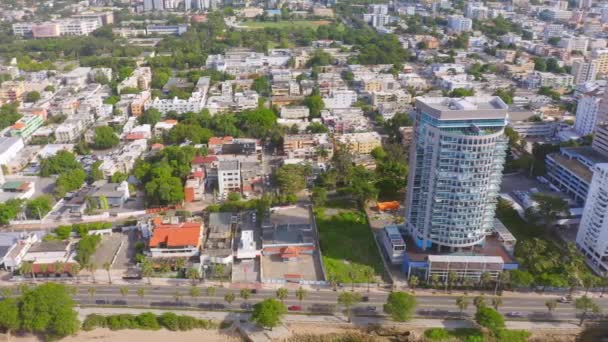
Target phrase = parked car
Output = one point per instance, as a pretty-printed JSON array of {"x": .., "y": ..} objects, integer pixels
[
  {"x": 515, "y": 314},
  {"x": 295, "y": 308},
  {"x": 245, "y": 306},
  {"x": 254, "y": 291},
  {"x": 565, "y": 299},
  {"x": 365, "y": 299}
]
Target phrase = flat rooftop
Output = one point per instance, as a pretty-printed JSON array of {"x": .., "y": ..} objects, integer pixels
[
  {"x": 574, "y": 166},
  {"x": 304, "y": 267},
  {"x": 491, "y": 248},
  {"x": 588, "y": 153},
  {"x": 465, "y": 108}
]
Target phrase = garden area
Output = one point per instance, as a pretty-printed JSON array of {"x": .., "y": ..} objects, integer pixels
[{"x": 349, "y": 251}]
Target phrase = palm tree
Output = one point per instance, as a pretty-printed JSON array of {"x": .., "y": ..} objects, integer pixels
[
  {"x": 229, "y": 297},
  {"x": 218, "y": 272},
  {"x": 479, "y": 301},
  {"x": 368, "y": 273},
  {"x": 27, "y": 267},
  {"x": 503, "y": 278},
  {"x": 551, "y": 305},
  {"x": 348, "y": 300},
  {"x": 107, "y": 266},
  {"x": 177, "y": 296},
  {"x": 141, "y": 292},
  {"x": 434, "y": 280},
  {"x": 333, "y": 282},
  {"x": 300, "y": 294},
  {"x": 496, "y": 302},
  {"x": 210, "y": 291},
  {"x": 351, "y": 276},
  {"x": 485, "y": 279},
  {"x": 586, "y": 305},
  {"x": 452, "y": 278},
  {"x": 124, "y": 291},
  {"x": 282, "y": 294},
  {"x": 463, "y": 303},
  {"x": 245, "y": 294},
  {"x": 44, "y": 268},
  {"x": 58, "y": 267},
  {"x": 75, "y": 270},
  {"x": 147, "y": 270},
  {"x": 92, "y": 291},
  {"x": 180, "y": 263},
  {"x": 413, "y": 282},
  {"x": 468, "y": 283},
  {"x": 91, "y": 267},
  {"x": 195, "y": 292},
  {"x": 193, "y": 274}
]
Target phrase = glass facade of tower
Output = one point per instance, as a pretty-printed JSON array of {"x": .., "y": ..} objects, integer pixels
[{"x": 455, "y": 173}]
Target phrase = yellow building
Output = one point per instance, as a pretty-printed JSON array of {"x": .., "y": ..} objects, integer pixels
[
  {"x": 359, "y": 143},
  {"x": 11, "y": 91},
  {"x": 601, "y": 56}
]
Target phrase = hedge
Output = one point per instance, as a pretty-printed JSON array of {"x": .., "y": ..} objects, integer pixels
[{"x": 146, "y": 321}]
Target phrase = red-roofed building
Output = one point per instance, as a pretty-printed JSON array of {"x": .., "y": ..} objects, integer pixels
[
  {"x": 194, "y": 189},
  {"x": 175, "y": 240},
  {"x": 217, "y": 142},
  {"x": 135, "y": 136}
]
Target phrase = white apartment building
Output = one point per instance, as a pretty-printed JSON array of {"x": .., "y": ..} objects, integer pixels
[
  {"x": 63, "y": 27},
  {"x": 458, "y": 24},
  {"x": 476, "y": 10},
  {"x": 70, "y": 130},
  {"x": 584, "y": 71},
  {"x": 574, "y": 43},
  {"x": 195, "y": 103},
  {"x": 295, "y": 112},
  {"x": 592, "y": 236},
  {"x": 228, "y": 177},
  {"x": 340, "y": 99},
  {"x": 587, "y": 112},
  {"x": 553, "y": 30}
]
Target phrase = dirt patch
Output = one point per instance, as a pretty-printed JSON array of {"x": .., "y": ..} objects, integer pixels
[{"x": 103, "y": 335}]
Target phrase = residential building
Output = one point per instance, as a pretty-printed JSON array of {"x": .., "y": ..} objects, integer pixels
[
  {"x": 175, "y": 240},
  {"x": 393, "y": 244},
  {"x": 140, "y": 79},
  {"x": 340, "y": 99},
  {"x": 547, "y": 79},
  {"x": 10, "y": 148},
  {"x": 163, "y": 127},
  {"x": 295, "y": 112},
  {"x": 456, "y": 164},
  {"x": 601, "y": 56},
  {"x": 584, "y": 71},
  {"x": 217, "y": 248},
  {"x": 592, "y": 235},
  {"x": 359, "y": 143},
  {"x": 228, "y": 177},
  {"x": 459, "y": 24},
  {"x": 138, "y": 105},
  {"x": 307, "y": 146},
  {"x": 11, "y": 91},
  {"x": 600, "y": 138},
  {"x": 569, "y": 170},
  {"x": 176, "y": 30},
  {"x": 587, "y": 112},
  {"x": 110, "y": 195},
  {"x": 26, "y": 126},
  {"x": 195, "y": 103}
]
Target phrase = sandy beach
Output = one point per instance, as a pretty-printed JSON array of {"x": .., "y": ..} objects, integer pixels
[{"x": 103, "y": 335}]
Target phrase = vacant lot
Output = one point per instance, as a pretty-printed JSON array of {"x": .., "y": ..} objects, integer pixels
[
  {"x": 348, "y": 247},
  {"x": 282, "y": 24}
]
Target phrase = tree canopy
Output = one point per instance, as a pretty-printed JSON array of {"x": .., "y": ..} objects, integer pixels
[
  {"x": 268, "y": 313},
  {"x": 105, "y": 138},
  {"x": 400, "y": 306}
]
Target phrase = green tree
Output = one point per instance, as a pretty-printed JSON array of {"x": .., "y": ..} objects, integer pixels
[
  {"x": 70, "y": 181},
  {"x": 261, "y": 85},
  {"x": 195, "y": 292},
  {"x": 39, "y": 207},
  {"x": 461, "y": 92},
  {"x": 32, "y": 96},
  {"x": 413, "y": 282},
  {"x": 301, "y": 294},
  {"x": 219, "y": 271},
  {"x": 229, "y": 297},
  {"x": 462, "y": 303},
  {"x": 48, "y": 309},
  {"x": 118, "y": 177},
  {"x": 194, "y": 275},
  {"x": 479, "y": 301},
  {"x": 319, "y": 58},
  {"x": 315, "y": 104},
  {"x": 245, "y": 294},
  {"x": 551, "y": 305},
  {"x": 316, "y": 127},
  {"x": 550, "y": 208},
  {"x": 348, "y": 300},
  {"x": 108, "y": 266},
  {"x": 9, "y": 210},
  {"x": 282, "y": 294},
  {"x": 496, "y": 302},
  {"x": 268, "y": 313},
  {"x": 586, "y": 305},
  {"x": 96, "y": 174},
  {"x": 62, "y": 161},
  {"x": 151, "y": 116},
  {"x": 291, "y": 178},
  {"x": 193, "y": 133},
  {"x": 147, "y": 270},
  {"x": 124, "y": 291},
  {"x": 105, "y": 138},
  {"x": 319, "y": 196},
  {"x": 9, "y": 315},
  {"x": 141, "y": 292},
  {"x": 400, "y": 306},
  {"x": 489, "y": 318}
]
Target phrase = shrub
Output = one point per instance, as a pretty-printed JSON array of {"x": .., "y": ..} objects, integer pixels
[
  {"x": 170, "y": 321},
  {"x": 119, "y": 322},
  {"x": 437, "y": 334},
  {"x": 489, "y": 318},
  {"x": 504, "y": 335},
  {"x": 147, "y": 321},
  {"x": 93, "y": 321},
  {"x": 187, "y": 322}
]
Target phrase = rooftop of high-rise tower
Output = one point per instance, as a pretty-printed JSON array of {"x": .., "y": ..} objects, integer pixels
[{"x": 473, "y": 107}]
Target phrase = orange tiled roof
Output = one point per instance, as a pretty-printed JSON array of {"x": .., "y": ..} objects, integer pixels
[
  {"x": 18, "y": 125},
  {"x": 203, "y": 159},
  {"x": 175, "y": 235},
  {"x": 157, "y": 146},
  {"x": 220, "y": 140},
  {"x": 170, "y": 121},
  {"x": 135, "y": 136}
]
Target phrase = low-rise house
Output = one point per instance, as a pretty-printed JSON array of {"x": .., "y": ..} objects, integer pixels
[
  {"x": 359, "y": 143},
  {"x": 175, "y": 240},
  {"x": 110, "y": 195}
]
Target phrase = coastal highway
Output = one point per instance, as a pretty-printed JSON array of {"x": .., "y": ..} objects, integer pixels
[{"x": 527, "y": 306}]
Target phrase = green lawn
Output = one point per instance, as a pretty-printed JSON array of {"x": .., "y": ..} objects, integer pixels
[
  {"x": 282, "y": 24},
  {"x": 348, "y": 246}
]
